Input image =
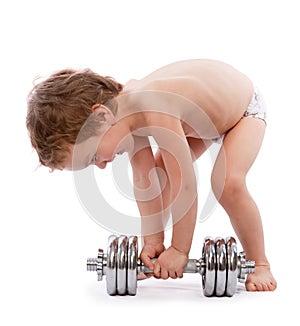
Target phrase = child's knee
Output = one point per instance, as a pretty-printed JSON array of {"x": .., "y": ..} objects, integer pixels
[{"x": 228, "y": 189}]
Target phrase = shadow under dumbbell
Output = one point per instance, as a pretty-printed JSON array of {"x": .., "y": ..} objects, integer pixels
[
  {"x": 189, "y": 287},
  {"x": 169, "y": 288},
  {"x": 156, "y": 291}
]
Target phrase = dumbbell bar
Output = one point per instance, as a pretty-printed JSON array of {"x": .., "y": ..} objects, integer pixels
[{"x": 220, "y": 266}]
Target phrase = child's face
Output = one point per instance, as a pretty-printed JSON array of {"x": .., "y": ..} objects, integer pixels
[
  {"x": 97, "y": 150},
  {"x": 87, "y": 153}
]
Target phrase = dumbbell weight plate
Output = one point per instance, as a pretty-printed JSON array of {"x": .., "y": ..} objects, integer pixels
[
  {"x": 111, "y": 266},
  {"x": 209, "y": 256},
  {"x": 221, "y": 263},
  {"x": 232, "y": 266},
  {"x": 122, "y": 265},
  {"x": 132, "y": 265}
]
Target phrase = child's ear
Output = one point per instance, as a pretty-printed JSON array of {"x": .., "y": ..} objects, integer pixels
[{"x": 103, "y": 113}]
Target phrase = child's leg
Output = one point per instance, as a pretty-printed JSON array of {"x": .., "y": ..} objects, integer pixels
[{"x": 240, "y": 148}]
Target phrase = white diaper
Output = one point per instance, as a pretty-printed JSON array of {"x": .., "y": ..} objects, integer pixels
[{"x": 257, "y": 107}]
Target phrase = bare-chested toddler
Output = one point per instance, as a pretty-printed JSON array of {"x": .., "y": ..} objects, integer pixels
[{"x": 184, "y": 106}]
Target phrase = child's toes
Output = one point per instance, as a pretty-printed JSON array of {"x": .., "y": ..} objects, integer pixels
[
  {"x": 250, "y": 286},
  {"x": 272, "y": 286},
  {"x": 265, "y": 287}
]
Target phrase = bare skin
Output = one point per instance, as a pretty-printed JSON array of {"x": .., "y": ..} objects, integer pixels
[{"x": 183, "y": 106}]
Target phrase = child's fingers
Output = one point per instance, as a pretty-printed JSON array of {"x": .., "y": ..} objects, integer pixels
[
  {"x": 156, "y": 270},
  {"x": 146, "y": 259}
]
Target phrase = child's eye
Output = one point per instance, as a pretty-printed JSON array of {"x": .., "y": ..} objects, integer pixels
[{"x": 93, "y": 160}]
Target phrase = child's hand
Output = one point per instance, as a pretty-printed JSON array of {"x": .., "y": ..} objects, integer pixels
[
  {"x": 150, "y": 251},
  {"x": 170, "y": 264}
]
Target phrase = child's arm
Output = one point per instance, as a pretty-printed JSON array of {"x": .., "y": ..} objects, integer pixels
[
  {"x": 178, "y": 162},
  {"x": 148, "y": 196}
]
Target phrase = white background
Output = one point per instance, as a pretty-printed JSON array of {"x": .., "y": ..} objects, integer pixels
[{"x": 46, "y": 235}]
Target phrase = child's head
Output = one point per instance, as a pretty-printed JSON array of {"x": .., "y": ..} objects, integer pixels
[{"x": 60, "y": 105}]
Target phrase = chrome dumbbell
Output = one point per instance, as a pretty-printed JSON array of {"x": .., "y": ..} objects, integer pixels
[{"x": 220, "y": 266}]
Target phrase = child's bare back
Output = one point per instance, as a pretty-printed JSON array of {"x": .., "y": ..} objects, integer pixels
[{"x": 219, "y": 90}]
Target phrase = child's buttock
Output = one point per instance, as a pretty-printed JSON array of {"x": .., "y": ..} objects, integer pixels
[{"x": 256, "y": 109}]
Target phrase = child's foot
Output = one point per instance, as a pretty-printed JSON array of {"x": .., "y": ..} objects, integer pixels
[{"x": 261, "y": 280}]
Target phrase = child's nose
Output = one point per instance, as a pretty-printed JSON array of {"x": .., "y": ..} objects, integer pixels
[{"x": 101, "y": 165}]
